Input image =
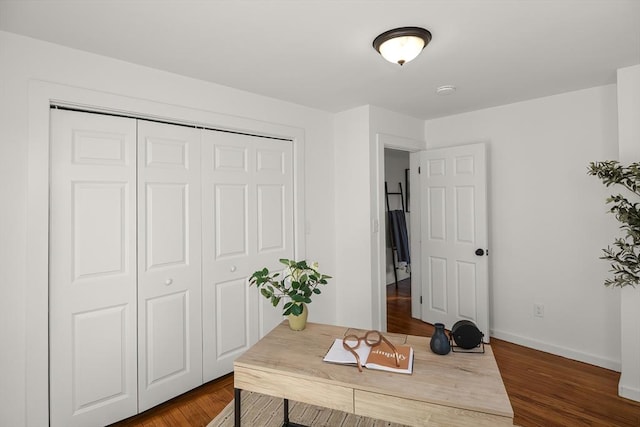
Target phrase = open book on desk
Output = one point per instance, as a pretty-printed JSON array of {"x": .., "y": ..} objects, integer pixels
[{"x": 380, "y": 357}]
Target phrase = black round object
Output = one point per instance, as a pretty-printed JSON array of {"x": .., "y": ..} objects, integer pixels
[{"x": 466, "y": 334}]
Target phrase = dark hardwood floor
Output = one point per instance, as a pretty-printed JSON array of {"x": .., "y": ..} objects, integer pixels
[{"x": 545, "y": 390}]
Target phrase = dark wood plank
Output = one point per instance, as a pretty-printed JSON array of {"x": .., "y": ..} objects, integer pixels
[{"x": 545, "y": 390}]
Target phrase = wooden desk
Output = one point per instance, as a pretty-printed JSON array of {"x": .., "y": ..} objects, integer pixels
[{"x": 457, "y": 389}]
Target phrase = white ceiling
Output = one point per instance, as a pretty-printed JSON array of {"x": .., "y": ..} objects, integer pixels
[{"x": 318, "y": 53}]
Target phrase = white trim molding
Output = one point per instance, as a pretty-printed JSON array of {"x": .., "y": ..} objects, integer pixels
[{"x": 569, "y": 353}]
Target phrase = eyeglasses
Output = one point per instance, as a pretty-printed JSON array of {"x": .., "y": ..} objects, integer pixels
[{"x": 372, "y": 339}]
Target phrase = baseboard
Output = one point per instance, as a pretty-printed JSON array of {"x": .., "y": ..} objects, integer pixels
[
  {"x": 627, "y": 392},
  {"x": 614, "y": 365}
]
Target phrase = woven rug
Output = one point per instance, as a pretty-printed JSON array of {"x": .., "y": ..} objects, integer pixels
[{"x": 259, "y": 410}]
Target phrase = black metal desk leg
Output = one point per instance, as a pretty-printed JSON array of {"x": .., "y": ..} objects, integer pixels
[
  {"x": 236, "y": 406},
  {"x": 286, "y": 412},
  {"x": 286, "y": 422}
]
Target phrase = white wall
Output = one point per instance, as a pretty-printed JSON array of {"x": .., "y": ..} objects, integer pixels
[
  {"x": 629, "y": 139},
  {"x": 395, "y": 163},
  {"x": 25, "y": 60},
  {"x": 547, "y": 220},
  {"x": 352, "y": 217},
  {"x": 360, "y": 135}
]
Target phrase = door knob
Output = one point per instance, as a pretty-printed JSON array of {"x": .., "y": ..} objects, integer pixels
[
  {"x": 168, "y": 282},
  {"x": 233, "y": 268},
  {"x": 479, "y": 252}
]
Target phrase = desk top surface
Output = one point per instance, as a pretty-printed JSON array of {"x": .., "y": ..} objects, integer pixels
[{"x": 460, "y": 380}]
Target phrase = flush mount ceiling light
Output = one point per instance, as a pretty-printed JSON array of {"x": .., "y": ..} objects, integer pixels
[{"x": 401, "y": 45}]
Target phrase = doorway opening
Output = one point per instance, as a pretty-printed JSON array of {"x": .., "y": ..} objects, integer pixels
[{"x": 397, "y": 236}]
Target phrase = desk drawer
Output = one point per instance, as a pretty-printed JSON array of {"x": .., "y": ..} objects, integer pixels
[
  {"x": 298, "y": 389},
  {"x": 416, "y": 413}
]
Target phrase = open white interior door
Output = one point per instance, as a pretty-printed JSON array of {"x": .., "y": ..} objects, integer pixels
[{"x": 454, "y": 264}]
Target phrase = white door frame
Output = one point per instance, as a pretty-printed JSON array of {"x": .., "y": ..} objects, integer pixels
[
  {"x": 41, "y": 96},
  {"x": 379, "y": 286}
]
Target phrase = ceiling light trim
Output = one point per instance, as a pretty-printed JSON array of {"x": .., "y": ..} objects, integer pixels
[
  {"x": 446, "y": 90},
  {"x": 397, "y": 33}
]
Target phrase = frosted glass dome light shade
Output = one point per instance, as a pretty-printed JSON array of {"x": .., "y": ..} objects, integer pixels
[{"x": 401, "y": 45}]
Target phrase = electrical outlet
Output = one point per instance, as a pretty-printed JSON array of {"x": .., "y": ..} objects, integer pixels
[{"x": 538, "y": 310}]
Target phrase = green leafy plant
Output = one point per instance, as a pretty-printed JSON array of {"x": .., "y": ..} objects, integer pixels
[
  {"x": 625, "y": 253},
  {"x": 298, "y": 282}
]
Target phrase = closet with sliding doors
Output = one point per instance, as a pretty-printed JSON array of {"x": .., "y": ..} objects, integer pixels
[{"x": 154, "y": 229}]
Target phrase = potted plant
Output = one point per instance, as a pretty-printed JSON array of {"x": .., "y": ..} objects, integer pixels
[
  {"x": 298, "y": 282},
  {"x": 625, "y": 253}
]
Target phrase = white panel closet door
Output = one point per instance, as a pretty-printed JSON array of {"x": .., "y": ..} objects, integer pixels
[
  {"x": 92, "y": 269},
  {"x": 169, "y": 262},
  {"x": 247, "y": 224}
]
